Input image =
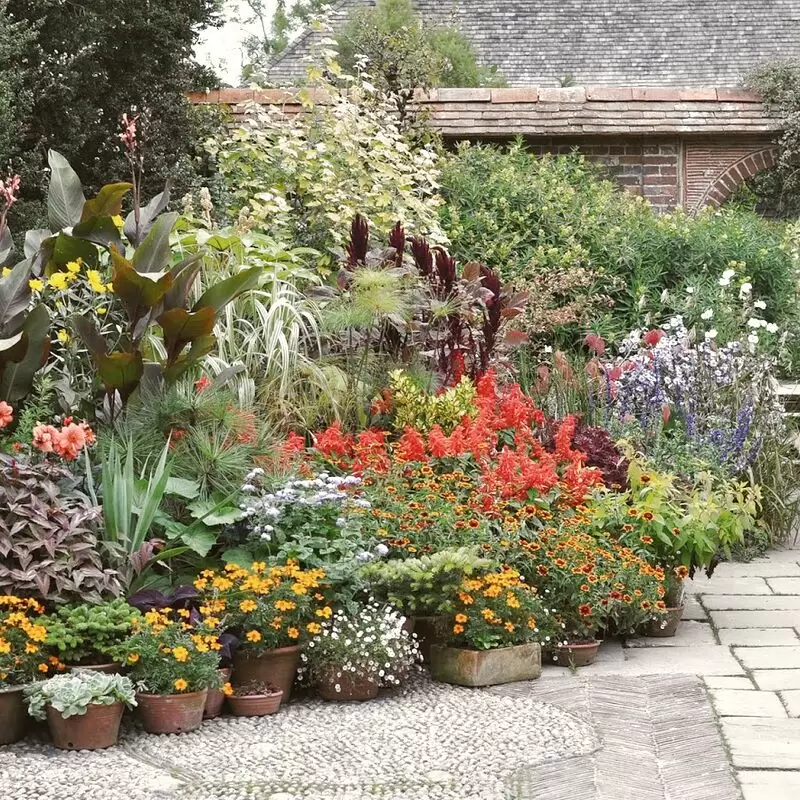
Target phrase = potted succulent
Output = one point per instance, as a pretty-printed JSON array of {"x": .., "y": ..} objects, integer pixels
[
  {"x": 87, "y": 636},
  {"x": 271, "y": 609},
  {"x": 492, "y": 634},
  {"x": 23, "y": 659},
  {"x": 253, "y": 699},
  {"x": 422, "y": 588},
  {"x": 356, "y": 654},
  {"x": 173, "y": 665},
  {"x": 83, "y": 709}
]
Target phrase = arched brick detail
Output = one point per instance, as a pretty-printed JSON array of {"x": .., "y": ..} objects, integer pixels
[{"x": 724, "y": 185}]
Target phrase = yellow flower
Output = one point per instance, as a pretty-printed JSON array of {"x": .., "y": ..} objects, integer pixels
[
  {"x": 509, "y": 626},
  {"x": 117, "y": 220},
  {"x": 110, "y": 287},
  {"x": 227, "y": 689},
  {"x": 63, "y": 336},
  {"x": 511, "y": 600},
  {"x": 95, "y": 281},
  {"x": 58, "y": 281},
  {"x": 101, "y": 310},
  {"x": 5, "y": 646},
  {"x": 133, "y": 658},
  {"x": 253, "y": 636},
  {"x": 293, "y": 633},
  {"x": 6, "y": 272},
  {"x": 74, "y": 267},
  {"x": 313, "y": 627},
  {"x": 285, "y": 605},
  {"x": 458, "y": 629},
  {"x": 180, "y": 654},
  {"x": 31, "y": 648},
  {"x": 324, "y": 612},
  {"x": 298, "y": 588},
  {"x": 42, "y": 667},
  {"x": 35, "y": 285},
  {"x": 181, "y": 685},
  {"x": 248, "y": 605},
  {"x": 462, "y": 618}
]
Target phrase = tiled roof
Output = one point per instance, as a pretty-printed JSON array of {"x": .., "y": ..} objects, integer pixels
[
  {"x": 604, "y": 42},
  {"x": 597, "y": 110}
]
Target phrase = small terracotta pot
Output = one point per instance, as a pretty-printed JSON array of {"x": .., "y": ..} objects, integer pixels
[
  {"x": 97, "y": 729},
  {"x": 255, "y": 705},
  {"x": 13, "y": 715},
  {"x": 216, "y": 697},
  {"x": 171, "y": 713},
  {"x": 350, "y": 687},
  {"x": 666, "y": 626},
  {"x": 111, "y": 668},
  {"x": 278, "y": 667},
  {"x": 580, "y": 654}
]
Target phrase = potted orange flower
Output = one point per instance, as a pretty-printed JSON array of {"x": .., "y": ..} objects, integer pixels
[
  {"x": 493, "y": 633},
  {"x": 173, "y": 665},
  {"x": 23, "y": 660},
  {"x": 271, "y": 609}
]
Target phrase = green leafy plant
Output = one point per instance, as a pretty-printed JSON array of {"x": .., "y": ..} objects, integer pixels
[
  {"x": 423, "y": 586},
  {"x": 89, "y": 634},
  {"x": 72, "y": 694},
  {"x": 50, "y": 545}
]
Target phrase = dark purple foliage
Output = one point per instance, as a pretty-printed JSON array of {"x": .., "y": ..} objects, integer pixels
[{"x": 602, "y": 452}]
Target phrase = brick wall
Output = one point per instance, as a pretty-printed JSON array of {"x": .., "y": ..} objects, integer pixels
[{"x": 644, "y": 166}]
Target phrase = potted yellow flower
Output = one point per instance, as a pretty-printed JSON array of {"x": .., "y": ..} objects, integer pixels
[
  {"x": 271, "y": 610},
  {"x": 173, "y": 664},
  {"x": 493, "y": 633},
  {"x": 23, "y": 660}
]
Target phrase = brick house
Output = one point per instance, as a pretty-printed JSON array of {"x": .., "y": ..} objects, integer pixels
[{"x": 654, "y": 88}]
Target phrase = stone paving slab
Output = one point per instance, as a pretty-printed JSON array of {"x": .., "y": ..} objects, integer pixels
[
  {"x": 767, "y": 785},
  {"x": 759, "y": 637},
  {"x": 777, "y": 679},
  {"x": 784, "y": 585},
  {"x": 762, "y": 743},
  {"x": 690, "y": 634},
  {"x": 763, "y": 568},
  {"x": 702, "y": 586},
  {"x": 753, "y": 602},
  {"x": 791, "y": 699},
  {"x": 692, "y": 610},
  {"x": 769, "y": 657},
  {"x": 746, "y": 703},
  {"x": 755, "y": 619},
  {"x": 727, "y": 682}
]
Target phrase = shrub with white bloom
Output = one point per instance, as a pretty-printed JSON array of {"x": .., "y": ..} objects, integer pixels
[
  {"x": 369, "y": 644},
  {"x": 707, "y": 314},
  {"x": 760, "y": 304},
  {"x": 745, "y": 289}
]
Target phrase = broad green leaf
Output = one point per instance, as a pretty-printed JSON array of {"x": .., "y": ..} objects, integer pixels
[
  {"x": 6, "y": 245},
  {"x": 34, "y": 239},
  {"x": 200, "y": 347},
  {"x": 100, "y": 230},
  {"x": 17, "y": 377},
  {"x": 238, "y": 556},
  {"x": 139, "y": 294},
  {"x": 220, "y": 294},
  {"x": 14, "y": 297},
  {"x": 120, "y": 371},
  {"x": 199, "y": 540},
  {"x": 183, "y": 276},
  {"x": 65, "y": 198},
  {"x": 147, "y": 214},
  {"x": 183, "y": 488},
  {"x": 153, "y": 254},
  {"x": 89, "y": 334},
  {"x": 107, "y": 202},
  {"x": 68, "y": 248},
  {"x": 215, "y": 510},
  {"x": 180, "y": 326}
]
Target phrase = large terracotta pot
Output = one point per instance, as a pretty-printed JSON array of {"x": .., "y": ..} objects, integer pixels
[
  {"x": 98, "y": 728},
  {"x": 216, "y": 697},
  {"x": 578, "y": 654},
  {"x": 278, "y": 667},
  {"x": 172, "y": 713},
  {"x": 522, "y": 662},
  {"x": 255, "y": 705},
  {"x": 111, "y": 668},
  {"x": 349, "y": 687},
  {"x": 13, "y": 715},
  {"x": 666, "y": 626}
]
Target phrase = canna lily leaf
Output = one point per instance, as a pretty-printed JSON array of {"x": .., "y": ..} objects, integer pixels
[
  {"x": 65, "y": 198},
  {"x": 147, "y": 214},
  {"x": 181, "y": 326},
  {"x": 139, "y": 293},
  {"x": 107, "y": 202},
  {"x": 153, "y": 254},
  {"x": 220, "y": 294},
  {"x": 16, "y": 379},
  {"x": 120, "y": 371}
]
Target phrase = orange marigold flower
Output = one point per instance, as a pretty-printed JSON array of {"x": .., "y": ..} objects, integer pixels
[
  {"x": 293, "y": 633},
  {"x": 681, "y": 571},
  {"x": 462, "y": 618},
  {"x": 646, "y": 540},
  {"x": 181, "y": 685},
  {"x": 253, "y": 636},
  {"x": 458, "y": 629}
]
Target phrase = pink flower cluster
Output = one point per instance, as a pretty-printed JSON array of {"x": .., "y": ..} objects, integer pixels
[
  {"x": 6, "y": 414},
  {"x": 66, "y": 442}
]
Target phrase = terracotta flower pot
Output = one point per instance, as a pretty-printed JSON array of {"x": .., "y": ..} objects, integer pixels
[
  {"x": 350, "y": 687},
  {"x": 98, "y": 728},
  {"x": 111, "y": 668},
  {"x": 578, "y": 654},
  {"x": 171, "y": 713},
  {"x": 278, "y": 667},
  {"x": 216, "y": 697},
  {"x": 666, "y": 626},
  {"x": 522, "y": 662},
  {"x": 13, "y": 715},
  {"x": 255, "y": 705}
]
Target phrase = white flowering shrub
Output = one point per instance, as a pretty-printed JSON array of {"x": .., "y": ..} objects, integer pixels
[
  {"x": 316, "y": 521},
  {"x": 369, "y": 645}
]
